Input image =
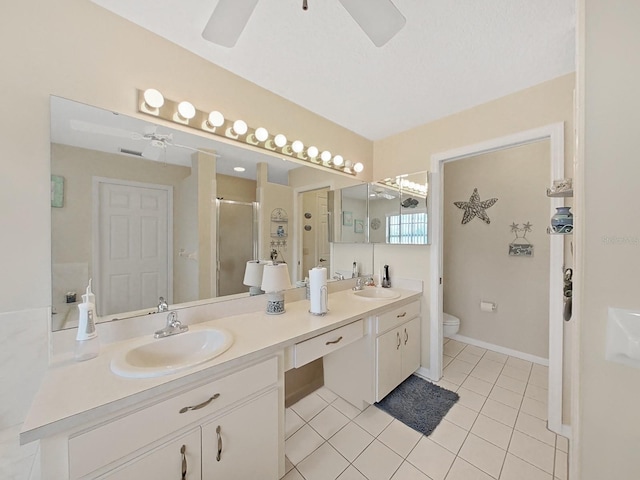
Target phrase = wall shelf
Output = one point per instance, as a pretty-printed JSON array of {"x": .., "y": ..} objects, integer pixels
[
  {"x": 551, "y": 232},
  {"x": 562, "y": 194}
]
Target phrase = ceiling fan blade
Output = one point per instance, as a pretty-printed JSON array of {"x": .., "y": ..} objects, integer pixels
[
  {"x": 152, "y": 151},
  {"x": 379, "y": 19},
  {"x": 228, "y": 21},
  {"x": 88, "y": 127}
]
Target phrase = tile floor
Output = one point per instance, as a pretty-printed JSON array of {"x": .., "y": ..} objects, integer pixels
[{"x": 497, "y": 430}]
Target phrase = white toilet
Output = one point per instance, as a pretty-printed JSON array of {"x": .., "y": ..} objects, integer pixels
[{"x": 451, "y": 325}]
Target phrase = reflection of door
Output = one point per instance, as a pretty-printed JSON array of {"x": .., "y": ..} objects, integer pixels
[
  {"x": 236, "y": 243},
  {"x": 132, "y": 245},
  {"x": 315, "y": 236}
]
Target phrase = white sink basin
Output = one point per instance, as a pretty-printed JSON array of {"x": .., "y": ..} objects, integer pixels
[
  {"x": 155, "y": 357},
  {"x": 377, "y": 294}
]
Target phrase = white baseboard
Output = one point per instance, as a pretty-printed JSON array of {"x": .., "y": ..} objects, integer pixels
[
  {"x": 504, "y": 350},
  {"x": 424, "y": 373}
]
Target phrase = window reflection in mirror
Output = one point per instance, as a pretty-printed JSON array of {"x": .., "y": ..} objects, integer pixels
[{"x": 134, "y": 190}]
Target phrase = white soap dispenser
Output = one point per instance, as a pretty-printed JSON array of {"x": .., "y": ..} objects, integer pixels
[{"x": 87, "y": 344}]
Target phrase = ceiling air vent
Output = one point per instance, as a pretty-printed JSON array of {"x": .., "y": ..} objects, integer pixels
[{"x": 130, "y": 152}]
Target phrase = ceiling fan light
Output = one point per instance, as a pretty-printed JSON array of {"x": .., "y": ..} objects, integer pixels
[
  {"x": 261, "y": 134},
  {"x": 239, "y": 169},
  {"x": 280, "y": 140},
  {"x": 297, "y": 146},
  {"x": 325, "y": 156},
  {"x": 153, "y": 98},
  {"x": 215, "y": 119},
  {"x": 358, "y": 167},
  {"x": 186, "y": 110},
  {"x": 240, "y": 127},
  {"x": 312, "y": 152},
  {"x": 338, "y": 160}
]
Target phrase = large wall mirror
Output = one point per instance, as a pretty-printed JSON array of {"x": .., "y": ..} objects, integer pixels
[
  {"x": 391, "y": 211},
  {"x": 146, "y": 211}
]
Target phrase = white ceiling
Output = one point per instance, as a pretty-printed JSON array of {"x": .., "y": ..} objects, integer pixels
[{"x": 450, "y": 56}]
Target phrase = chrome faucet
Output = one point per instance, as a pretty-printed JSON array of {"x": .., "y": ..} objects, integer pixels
[
  {"x": 173, "y": 327},
  {"x": 359, "y": 284},
  {"x": 338, "y": 276},
  {"x": 163, "y": 306}
]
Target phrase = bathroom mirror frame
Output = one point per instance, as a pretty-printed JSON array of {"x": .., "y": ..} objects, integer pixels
[{"x": 333, "y": 176}]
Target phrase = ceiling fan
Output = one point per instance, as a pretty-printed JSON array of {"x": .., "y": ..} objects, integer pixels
[
  {"x": 379, "y": 19},
  {"x": 157, "y": 142}
]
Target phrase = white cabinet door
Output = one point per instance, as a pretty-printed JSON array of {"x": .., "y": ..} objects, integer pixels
[
  {"x": 175, "y": 460},
  {"x": 410, "y": 333},
  {"x": 388, "y": 362},
  {"x": 244, "y": 442}
]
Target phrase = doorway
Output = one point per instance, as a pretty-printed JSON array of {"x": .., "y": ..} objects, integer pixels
[
  {"x": 555, "y": 135},
  {"x": 314, "y": 227}
]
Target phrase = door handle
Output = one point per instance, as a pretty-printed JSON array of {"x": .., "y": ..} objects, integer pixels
[
  {"x": 399, "y": 341},
  {"x": 406, "y": 336},
  {"x": 183, "y": 450},
  {"x": 219, "y": 443}
]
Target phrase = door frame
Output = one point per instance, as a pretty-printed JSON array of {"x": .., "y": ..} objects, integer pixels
[
  {"x": 95, "y": 238},
  {"x": 555, "y": 134}
]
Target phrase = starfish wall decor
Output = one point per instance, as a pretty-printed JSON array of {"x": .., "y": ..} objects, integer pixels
[{"x": 476, "y": 208}]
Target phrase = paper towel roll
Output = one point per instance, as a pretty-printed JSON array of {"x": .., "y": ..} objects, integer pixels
[
  {"x": 487, "y": 307},
  {"x": 318, "y": 290}
]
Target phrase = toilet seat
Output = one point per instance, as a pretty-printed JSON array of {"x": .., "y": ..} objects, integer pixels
[{"x": 450, "y": 319}]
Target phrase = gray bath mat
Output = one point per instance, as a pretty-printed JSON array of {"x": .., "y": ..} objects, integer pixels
[{"x": 418, "y": 404}]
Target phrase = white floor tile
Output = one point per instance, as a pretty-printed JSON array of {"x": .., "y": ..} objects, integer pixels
[
  {"x": 561, "y": 467},
  {"x": 481, "y": 387},
  {"x": 562, "y": 443},
  {"x": 288, "y": 466},
  {"x": 302, "y": 443},
  {"x": 409, "y": 472},
  {"x": 446, "y": 360},
  {"x": 512, "y": 384},
  {"x": 537, "y": 393},
  {"x": 462, "y": 416},
  {"x": 471, "y": 399},
  {"x": 326, "y": 394},
  {"x": 399, "y": 438},
  {"x": 536, "y": 428},
  {"x": 496, "y": 357},
  {"x": 346, "y": 408},
  {"x": 449, "y": 435},
  {"x": 328, "y": 422},
  {"x": 500, "y": 412},
  {"x": 462, "y": 470},
  {"x": 488, "y": 364},
  {"x": 485, "y": 374},
  {"x": 453, "y": 348},
  {"x": 505, "y": 396},
  {"x": 539, "y": 378},
  {"x": 452, "y": 387},
  {"x": 352, "y": 473},
  {"x": 483, "y": 455},
  {"x": 351, "y": 441},
  {"x": 473, "y": 350},
  {"x": 453, "y": 376},
  {"x": 373, "y": 420},
  {"x": 292, "y": 421},
  {"x": 309, "y": 406},
  {"x": 493, "y": 431},
  {"x": 516, "y": 373},
  {"x": 431, "y": 459},
  {"x": 293, "y": 475},
  {"x": 535, "y": 408},
  {"x": 532, "y": 451},
  {"x": 517, "y": 469},
  {"x": 323, "y": 464},
  {"x": 378, "y": 462},
  {"x": 461, "y": 366},
  {"x": 519, "y": 363},
  {"x": 468, "y": 357}
]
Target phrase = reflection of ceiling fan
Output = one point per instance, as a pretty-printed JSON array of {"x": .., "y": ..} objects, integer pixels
[
  {"x": 409, "y": 203},
  {"x": 379, "y": 19},
  {"x": 157, "y": 142},
  {"x": 382, "y": 194}
]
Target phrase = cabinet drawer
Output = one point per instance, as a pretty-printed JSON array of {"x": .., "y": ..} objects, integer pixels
[
  {"x": 316, "y": 347},
  {"x": 112, "y": 441},
  {"x": 395, "y": 317}
]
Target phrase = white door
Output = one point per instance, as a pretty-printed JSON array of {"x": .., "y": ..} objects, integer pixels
[
  {"x": 388, "y": 362},
  {"x": 132, "y": 246},
  {"x": 410, "y": 347},
  {"x": 322, "y": 239}
]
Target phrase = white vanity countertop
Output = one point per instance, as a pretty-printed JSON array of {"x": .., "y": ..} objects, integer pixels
[{"x": 72, "y": 394}]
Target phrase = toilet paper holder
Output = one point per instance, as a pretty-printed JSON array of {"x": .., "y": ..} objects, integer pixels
[{"x": 488, "y": 306}]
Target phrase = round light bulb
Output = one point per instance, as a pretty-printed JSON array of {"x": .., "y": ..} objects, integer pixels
[
  {"x": 338, "y": 160},
  {"x": 215, "y": 119},
  {"x": 153, "y": 98},
  {"x": 261, "y": 134},
  {"x": 240, "y": 127},
  {"x": 186, "y": 110},
  {"x": 239, "y": 169},
  {"x": 358, "y": 167},
  {"x": 312, "y": 152},
  {"x": 280, "y": 140},
  {"x": 325, "y": 156},
  {"x": 297, "y": 146}
]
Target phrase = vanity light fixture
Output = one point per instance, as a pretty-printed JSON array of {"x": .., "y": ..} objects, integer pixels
[
  {"x": 186, "y": 110},
  {"x": 152, "y": 102},
  {"x": 358, "y": 167}
]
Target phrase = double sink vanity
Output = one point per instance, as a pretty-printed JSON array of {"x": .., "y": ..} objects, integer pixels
[{"x": 209, "y": 403}]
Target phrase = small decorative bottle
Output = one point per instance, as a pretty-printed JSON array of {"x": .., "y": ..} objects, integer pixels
[{"x": 562, "y": 221}]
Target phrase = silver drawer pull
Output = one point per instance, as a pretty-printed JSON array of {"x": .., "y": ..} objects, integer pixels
[
  {"x": 399, "y": 341},
  {"x": 200, "y": 405},
  {"x": 406, "y": 336},
  {"x": 401, "y": 315},
  {"x": 334, "y": 341},
  {"x": 219, "y": 443},
  {"x": 184, "y": 462}
]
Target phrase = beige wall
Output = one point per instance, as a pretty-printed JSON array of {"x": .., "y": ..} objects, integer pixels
[
  {"x": 609, "y": 417},
  {"x": 477, "y": 266},
  {"x": 236, "y": 189}
]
